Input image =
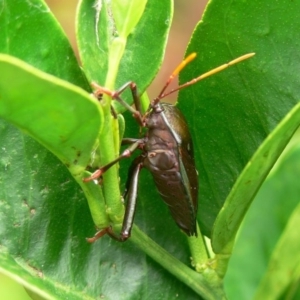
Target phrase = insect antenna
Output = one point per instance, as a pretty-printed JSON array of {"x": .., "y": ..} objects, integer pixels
[
  {"x": 193, "y": 81},
  {"x": 177, "y": 70}
]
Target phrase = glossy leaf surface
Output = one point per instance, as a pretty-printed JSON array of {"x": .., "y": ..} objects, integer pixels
[
  {"x": 264, "y": 229},
  {"x": 231, "y": 113},
  {"x": 49, "y": 109},
  {"x": 45, "y": 217},
  {"x": 31, "y": 33},
  {"x": 149, "y": 36}
]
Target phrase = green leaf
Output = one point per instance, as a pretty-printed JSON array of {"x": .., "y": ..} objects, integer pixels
[
  {"x": 230, "y": 114},
  {"x": 95, "y": 31},
  {"x": 250, "y": 180},
  {"x": 40, "y": 209},
  {"x": 11, "y": 289},
  {"x": 30, "y": 32},
  {"x": 284, "y": 263},
  {"x": 127, "y": 14},
  {"x": 266, "y": 235},
  {"x": 45, "y": 218},
  {"x": 237, "y": 110},
  {"x": 50, "y": 110}
]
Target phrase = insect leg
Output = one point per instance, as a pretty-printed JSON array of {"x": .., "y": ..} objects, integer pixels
[
  {"x": 126, "y": 153},
  {"x": 131, "y": 192},
  {"x": 99, "y": 90},
  {"x": 129, "y": 141},
  {"x": 98, "y": 235}
]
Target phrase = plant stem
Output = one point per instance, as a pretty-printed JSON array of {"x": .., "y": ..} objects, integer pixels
[
  {"x": 204, "y": 284},
  {"x": 198, "y": 250},
  {"x": 108, "y": 137}
]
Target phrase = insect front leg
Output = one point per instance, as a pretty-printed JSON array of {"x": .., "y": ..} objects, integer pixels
[
  {"x": 135, "y": 96},
  {"x": 137, "y": 113}
]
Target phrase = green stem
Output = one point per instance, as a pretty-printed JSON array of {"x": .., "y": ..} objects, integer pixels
[
  {"x": 111, "y": 190},
  {"x": 222, "y": 259},
  {"x": 207, "y": 284},
  {"x": 109, "y": 137},
  {"x": 198, "y": 250},
  {"x": 95, "y": 200}
]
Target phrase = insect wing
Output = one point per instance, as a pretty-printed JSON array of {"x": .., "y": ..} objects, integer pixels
[{"x": 184, "y": 208}]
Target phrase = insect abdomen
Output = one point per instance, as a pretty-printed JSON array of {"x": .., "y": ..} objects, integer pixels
[{"x": 171, "y": 162}]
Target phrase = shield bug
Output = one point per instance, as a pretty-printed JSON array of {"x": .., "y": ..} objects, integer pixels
[{"x": 167, "y": 152}]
